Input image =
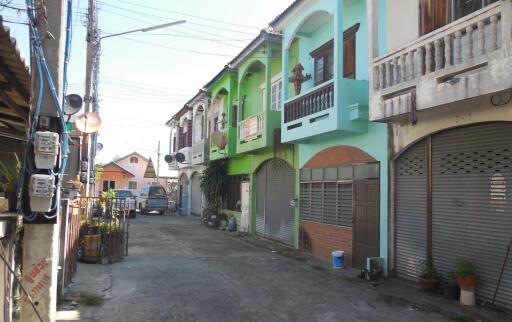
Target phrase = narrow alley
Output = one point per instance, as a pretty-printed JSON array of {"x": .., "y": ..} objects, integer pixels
[{"x": 179, "y": 270}]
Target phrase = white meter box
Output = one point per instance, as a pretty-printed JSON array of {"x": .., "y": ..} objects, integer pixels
[
  {"x": 46, "y": 149},
  {"x": 42, "y": 189}
]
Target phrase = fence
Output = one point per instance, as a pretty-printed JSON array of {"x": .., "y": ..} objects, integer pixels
[
  {"x": 105, "y": 229},
  {"x": 69, "y": 241}
]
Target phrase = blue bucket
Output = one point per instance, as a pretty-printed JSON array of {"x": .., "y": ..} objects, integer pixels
[{"x": 338, "y": 259}]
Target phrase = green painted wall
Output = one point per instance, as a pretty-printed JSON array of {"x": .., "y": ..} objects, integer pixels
[
  {"x": 257, "y": 71},
  {"x": 290, "y": 154},
  {"x": 227, "y": 86},
  {"x": 240, "y": 164}
]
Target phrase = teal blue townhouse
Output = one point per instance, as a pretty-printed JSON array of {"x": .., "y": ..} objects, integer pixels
[{"x": 342, "y": 173}]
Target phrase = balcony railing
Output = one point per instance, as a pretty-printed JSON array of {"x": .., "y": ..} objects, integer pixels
[
  {"x": 199, "y": 151},
  {"x": 317, "y": 99},
  {"x": 252, "y": 127},
  {"x": 444, "y": 54}
]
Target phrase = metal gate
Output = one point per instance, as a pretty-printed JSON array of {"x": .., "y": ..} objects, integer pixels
[
  {"x": 196, "y": 202},
  {"x": 411, "y": 211},
  {"x": 471, "y": 211},
  {"x": 471, "y": 203},
  {"x": 275, "y": 218}
]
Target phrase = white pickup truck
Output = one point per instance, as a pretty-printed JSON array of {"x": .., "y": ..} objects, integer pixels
[{"x": 125, "y": 199}]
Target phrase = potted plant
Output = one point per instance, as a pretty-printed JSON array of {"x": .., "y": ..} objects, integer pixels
[
  {"x": 465, "y": 273},
  {"x": 451, "y": 290},
  {"x": 8, "y": 179},
  {"x": 429, "y": 278}
]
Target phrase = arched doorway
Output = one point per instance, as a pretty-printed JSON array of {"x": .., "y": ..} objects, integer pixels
[
  {"x": 275, "y": 218},
  {"x": 453, "y": 199},
  {"x": 340, "y": 204},
  {"x": 183, "y": 197},
  {"x": 196, "y": 194}
]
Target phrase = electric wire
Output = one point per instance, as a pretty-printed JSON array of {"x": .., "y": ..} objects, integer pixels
[
  {"x": 162, "y": 18},
  {"x": 184, "y": 14}
]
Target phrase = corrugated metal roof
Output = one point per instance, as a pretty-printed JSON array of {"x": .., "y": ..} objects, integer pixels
[
  {"x": 15, "y": 87},
  {"x": 264, "y": 36},
  {"x": 286, "y": 11}
]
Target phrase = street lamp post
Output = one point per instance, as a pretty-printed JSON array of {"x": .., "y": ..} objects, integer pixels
[{"x": 92, "y": 76}]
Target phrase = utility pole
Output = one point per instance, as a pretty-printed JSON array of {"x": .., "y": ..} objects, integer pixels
[
  {"x": 41, "y": 239},
  {"x": 158, "y": 163},
  {"x": 90, "y": 95}
]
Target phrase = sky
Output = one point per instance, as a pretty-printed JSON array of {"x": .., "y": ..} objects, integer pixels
[{"x": 147, "y": 77}]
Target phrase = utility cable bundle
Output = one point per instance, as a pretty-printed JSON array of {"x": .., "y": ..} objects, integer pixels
[{"x": 43, "y": 73}]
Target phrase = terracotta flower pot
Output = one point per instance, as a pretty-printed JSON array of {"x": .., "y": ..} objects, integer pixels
[
  {"x": 467, "y": 283},
  {"x": 428, "y": 285}
]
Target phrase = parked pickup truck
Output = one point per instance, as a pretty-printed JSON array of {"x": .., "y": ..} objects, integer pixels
[
  {"x": 125, "y": 204},
  {"x": 152, "y": 198}
]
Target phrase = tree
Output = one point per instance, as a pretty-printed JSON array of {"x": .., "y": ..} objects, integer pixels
[
  {"x": 99, "y": 172},
  {"x": 214, "y": 184}
]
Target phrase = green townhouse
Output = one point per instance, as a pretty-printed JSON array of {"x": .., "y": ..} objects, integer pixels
[
  {"x": 245, "y": 118},
  {"x": 290, "y": 114},
  {"x": 342, "y": 170}
]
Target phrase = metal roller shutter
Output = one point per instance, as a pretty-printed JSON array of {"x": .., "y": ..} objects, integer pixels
[
  {"x": 261, "y": 183},
  {"x": 411, "y": 211},
  {"x": 279, "y": 215},
  {"x": 275, "y": 218},
  {"x": 471, "y": 203}
]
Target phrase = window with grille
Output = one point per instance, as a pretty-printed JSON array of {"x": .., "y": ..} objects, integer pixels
[
  {"x": 275, "y": 95},
  {"x": 134, "y": 160},
  {"x": 132, "y": 185},
  {"x": 109, "y": 185},
  {"x": 326, "y": 202}
]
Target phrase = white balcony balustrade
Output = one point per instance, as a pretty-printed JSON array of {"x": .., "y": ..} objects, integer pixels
[{"x": 455, "y": 62}]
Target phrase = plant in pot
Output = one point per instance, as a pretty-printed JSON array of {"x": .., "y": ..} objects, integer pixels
[
  {"x": 451, "y": 290},
  {"x": 465, "y": 273},
  {"x": 429, "y": 278},
  {"x": 215, "y": 185},
  {"x": 8, "y": 178}
]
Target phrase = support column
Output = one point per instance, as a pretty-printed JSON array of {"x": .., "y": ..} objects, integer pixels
[
  {"x": 338, "y": 62},
  {"x": 41, "y": 240}
]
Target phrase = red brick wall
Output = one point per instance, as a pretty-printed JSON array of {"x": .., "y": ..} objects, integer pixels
[
  {"x": 323, "y": 239},
  {"x": 338, "y": 156}
]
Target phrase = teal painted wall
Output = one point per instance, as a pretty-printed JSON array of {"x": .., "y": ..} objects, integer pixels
[
  {"x": 338, "y": 128},
  {"x": 375, "y": 143}
]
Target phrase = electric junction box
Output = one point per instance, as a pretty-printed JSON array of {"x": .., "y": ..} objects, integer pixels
[
  {"x": 46, "y": 149},
  {"x": 42, "y": 189}
]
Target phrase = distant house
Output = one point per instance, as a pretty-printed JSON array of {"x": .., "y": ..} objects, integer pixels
[
  {"x": 115, "y": 176},
  {"x": 129, "y": 172}
]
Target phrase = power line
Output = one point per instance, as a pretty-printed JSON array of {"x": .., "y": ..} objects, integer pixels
[
  {"x": 174, "y": 48},
  {"x": 186, "y": 14},
  {"x": 167, "y": 18}
]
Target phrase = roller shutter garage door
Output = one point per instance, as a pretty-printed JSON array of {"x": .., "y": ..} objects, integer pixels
[
  {"x": 275, "y": 219},
  {"x": 196, "y": 201},
  {"x": 411, "y": 211},
  {"x": 471, "y": 203}
]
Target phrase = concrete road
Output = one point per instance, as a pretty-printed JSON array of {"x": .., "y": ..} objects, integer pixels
[{"x": 179, "y": 270}]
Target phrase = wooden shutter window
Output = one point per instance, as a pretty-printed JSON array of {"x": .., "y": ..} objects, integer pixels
[
  {"x": 189, "y": 133},
  {"x": 349, "y": 51},
  {"x": 323, "y": 57}
]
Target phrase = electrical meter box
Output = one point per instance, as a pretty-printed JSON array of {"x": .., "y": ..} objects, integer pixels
[
  {"x": 46, "y": 149},
  {"x": 41, "y": 191}
]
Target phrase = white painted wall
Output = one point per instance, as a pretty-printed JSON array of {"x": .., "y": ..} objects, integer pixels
[{"x": 402, "y": 22}]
